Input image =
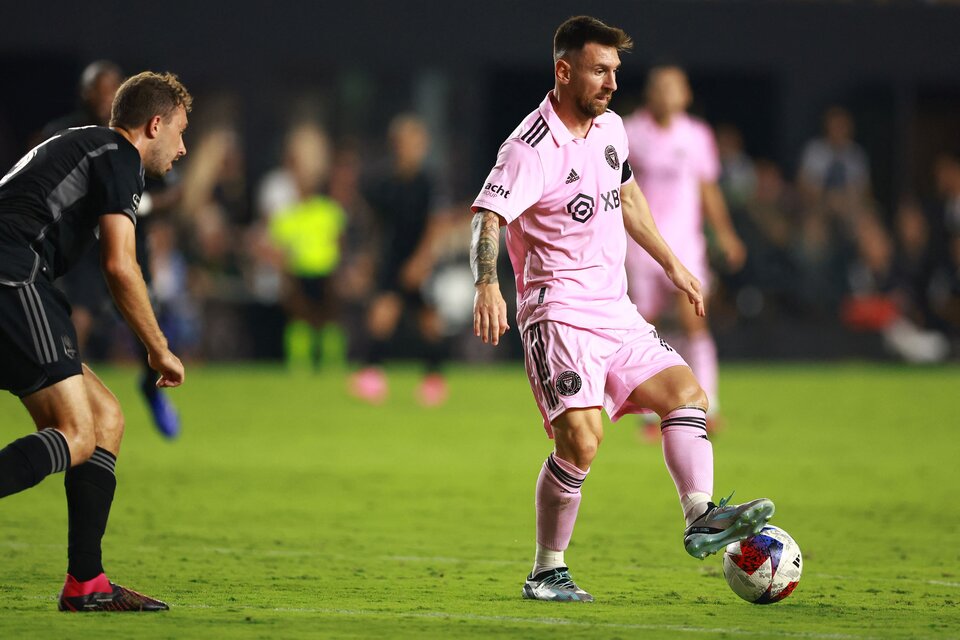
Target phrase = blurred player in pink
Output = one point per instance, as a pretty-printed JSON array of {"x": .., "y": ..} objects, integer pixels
[
  {"x": 564, "y": 189},
  {"x": 675, "y": 162}
]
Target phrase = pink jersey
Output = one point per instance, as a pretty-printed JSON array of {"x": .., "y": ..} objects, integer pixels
[
  {"x": 670, "y": 165},
  {"x": 560, "y": 197}
]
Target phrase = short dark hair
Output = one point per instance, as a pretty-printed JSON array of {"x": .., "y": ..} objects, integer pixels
[
  {"x": 576, "y": 32},
  {"x": 146, "y": 95}
]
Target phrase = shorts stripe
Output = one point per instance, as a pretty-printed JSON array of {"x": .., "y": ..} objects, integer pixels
[
  {"x": 33, "y": 328},
  {"x": 539, "y": 357},
  {"x": 46, "y": 323}
]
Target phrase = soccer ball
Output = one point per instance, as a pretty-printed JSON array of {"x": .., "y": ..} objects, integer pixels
[{"x": 764, "y": 568}]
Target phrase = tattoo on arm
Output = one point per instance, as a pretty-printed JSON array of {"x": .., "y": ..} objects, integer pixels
[{"x": 484, "y": 246}]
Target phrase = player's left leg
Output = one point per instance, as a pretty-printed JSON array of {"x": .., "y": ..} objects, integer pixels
[
  {"x": 682, "y": 404},
  {"x": 90, "y": 489}
]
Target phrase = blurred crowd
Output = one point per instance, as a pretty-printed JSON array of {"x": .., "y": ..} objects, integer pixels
[
  {"x": 350, "y": 249},
  {"x": 820, "y": 246}
]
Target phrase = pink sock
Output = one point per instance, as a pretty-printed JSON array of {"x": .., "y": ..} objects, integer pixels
[
  {"x": 687, "y": 452},
  {"x": 700, "y": 352},
  {"x": 558, "y": 500}
]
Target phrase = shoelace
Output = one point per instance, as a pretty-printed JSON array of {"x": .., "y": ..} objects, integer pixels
[
  {"x": 723, "y": 501},
  {"x": 561, "y": 579}
]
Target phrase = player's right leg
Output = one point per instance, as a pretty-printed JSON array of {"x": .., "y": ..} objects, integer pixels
[
  {"x": 577, "y": 435},
  {"x": 39, "y": 363},
  {"x": 65, "y": 436},
  {"x": 566, "y": 373}
]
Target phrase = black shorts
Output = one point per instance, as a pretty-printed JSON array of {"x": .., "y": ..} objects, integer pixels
[{"x": 38, "y": 344}]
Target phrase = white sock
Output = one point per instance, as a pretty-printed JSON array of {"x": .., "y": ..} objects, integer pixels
[
  {"x": 547, "y": 559},
  {"x": 693, "y": 504}
]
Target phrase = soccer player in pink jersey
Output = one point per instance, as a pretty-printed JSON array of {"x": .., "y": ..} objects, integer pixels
[
  {"x": 563, "y": 188},
  {"x": 675, "y": 162}
]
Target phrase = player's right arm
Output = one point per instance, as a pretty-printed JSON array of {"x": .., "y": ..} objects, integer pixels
[
  {"x": 489, "y": 307},
  {"x": 118, "y": 260}
]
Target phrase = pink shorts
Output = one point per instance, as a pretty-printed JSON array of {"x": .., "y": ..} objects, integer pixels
[
  {"x": 573, "y": 368},
  {"x": 649, "y": 287}
]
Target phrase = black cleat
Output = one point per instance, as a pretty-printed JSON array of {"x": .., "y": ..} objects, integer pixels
[{"x": 93, "y": 596}]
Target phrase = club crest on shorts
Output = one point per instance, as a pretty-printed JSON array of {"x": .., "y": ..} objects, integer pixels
[
  {"x": 568, "y": 383},
  {"x": 610, "y": 153},
  {"x": 68, "y": 349}
]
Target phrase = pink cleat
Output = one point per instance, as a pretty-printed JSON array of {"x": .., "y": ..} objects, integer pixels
[
  {"x": 432, "y": 391},
  {"x": 370, "y": 385}
]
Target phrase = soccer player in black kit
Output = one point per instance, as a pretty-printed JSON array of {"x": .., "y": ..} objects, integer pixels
[
  {"x": 84, "y": 286},
  {"x": 404, "y": 204},
  {"x": 81, "y": 184}
]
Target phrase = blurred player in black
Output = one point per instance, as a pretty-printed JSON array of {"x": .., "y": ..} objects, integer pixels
[
  {"x": 403, "y": 202},
  {"x": 77, "y": 186},
  {"x": 84, "y": 286}
]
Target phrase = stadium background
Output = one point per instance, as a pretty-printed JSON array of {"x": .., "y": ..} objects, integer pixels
[
  {"x": 288, "y": 509},
  {"x": 472, "y": 71}
]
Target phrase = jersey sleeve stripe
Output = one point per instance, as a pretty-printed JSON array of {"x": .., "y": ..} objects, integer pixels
[{"x": 538, "y": 129}]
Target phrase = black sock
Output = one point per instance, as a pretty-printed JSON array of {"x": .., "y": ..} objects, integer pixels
[
  {"x": 90, "y": 487},
  {"x": 376, "y": 352},
  {"x": 435, "y": 354},
  {"x": 27, "y": 461}
]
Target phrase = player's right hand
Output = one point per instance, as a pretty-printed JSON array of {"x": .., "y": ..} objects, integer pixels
[
  {"x": 489, "y": 313},
  {"x": 168, "y": 366}
]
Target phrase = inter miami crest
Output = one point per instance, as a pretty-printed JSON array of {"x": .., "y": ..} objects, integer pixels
[
  {"x": 568, "y": 383},
  {"x": 610, "y": 153}
]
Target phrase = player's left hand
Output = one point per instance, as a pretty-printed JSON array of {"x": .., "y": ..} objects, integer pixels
[{"x": 690, "y": 285}]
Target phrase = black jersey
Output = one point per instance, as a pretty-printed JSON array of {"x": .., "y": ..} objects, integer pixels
[
  {"x": 52, "y": 199},
  {"x": 403, "y": 208}
]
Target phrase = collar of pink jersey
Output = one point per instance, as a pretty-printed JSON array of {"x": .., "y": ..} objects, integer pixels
[{"x": 559, "y": 130}]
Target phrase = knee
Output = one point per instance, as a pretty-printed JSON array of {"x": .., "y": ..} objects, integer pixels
[
  {"x": 579, "y": 446},
  {"x": 110, "y": 421},
  {"x": 690, "y": 394},
  {"x": 81, "y": 441}
]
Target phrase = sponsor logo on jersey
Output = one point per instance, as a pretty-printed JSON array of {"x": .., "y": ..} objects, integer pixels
[
  {"x": 568, "y": 383},
  {"x": 610, "y": 153},
  {"x": 581, "y": 207},
  {"x": 136, "y": 202},
  {"x": 573, "y": 177},
  {"x": 497, "y": 189}
]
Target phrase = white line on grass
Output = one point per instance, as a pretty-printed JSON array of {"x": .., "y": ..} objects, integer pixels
[{"x": 442, "y": 615}]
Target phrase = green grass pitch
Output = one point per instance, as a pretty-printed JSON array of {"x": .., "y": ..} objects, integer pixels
[{"x": 287, "y": 510}]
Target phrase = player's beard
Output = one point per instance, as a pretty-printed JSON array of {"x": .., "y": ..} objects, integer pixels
[{"x": 591, "y": 107}]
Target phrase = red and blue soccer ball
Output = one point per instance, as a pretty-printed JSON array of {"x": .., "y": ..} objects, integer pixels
[{"x": 764, "y": 568}]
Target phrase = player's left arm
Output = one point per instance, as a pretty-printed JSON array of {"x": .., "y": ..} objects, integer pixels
[
  {"x": 118, "y": 260},
  {"x": 718, "y": 216},
  {"x": 641, "y": 227}
]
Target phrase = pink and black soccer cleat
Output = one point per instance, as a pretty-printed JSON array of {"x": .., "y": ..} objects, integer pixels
[{"x": 99, "y": 594}]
